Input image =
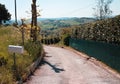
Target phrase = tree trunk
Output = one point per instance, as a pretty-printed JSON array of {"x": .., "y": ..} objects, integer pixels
[
  {"x": 0, "y": 22},
  {"x": 34, "y": 21}
]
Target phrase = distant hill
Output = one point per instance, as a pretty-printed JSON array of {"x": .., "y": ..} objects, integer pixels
[
  {"x": 54, "y": 23},
  {"x": 10, "y": 22}
]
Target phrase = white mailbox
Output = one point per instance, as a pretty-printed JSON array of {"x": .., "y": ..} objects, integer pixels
[{"x": 15, "y": 49}]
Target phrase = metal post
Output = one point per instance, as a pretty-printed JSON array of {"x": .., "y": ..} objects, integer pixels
[
  {"x": 15, "y": 68},
  {"x": 15, "y": 12},
  {"x": 14, "y": 62}
]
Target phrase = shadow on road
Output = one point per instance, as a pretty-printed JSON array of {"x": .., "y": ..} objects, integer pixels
[{"x": 57, "y": 70}]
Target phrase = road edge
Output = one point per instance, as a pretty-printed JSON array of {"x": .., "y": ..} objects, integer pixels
[{"x": 95, "y": 61}]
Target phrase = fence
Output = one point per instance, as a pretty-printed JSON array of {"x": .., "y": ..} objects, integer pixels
[{"x": 107, "y": 53}]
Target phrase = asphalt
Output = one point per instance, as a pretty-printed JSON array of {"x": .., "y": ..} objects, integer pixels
[{"x": 64, "y": 66}]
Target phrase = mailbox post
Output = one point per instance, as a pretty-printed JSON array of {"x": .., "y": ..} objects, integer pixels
[
  {"x": 15, "y": 49},
  {"x": 14, "y": 60}
]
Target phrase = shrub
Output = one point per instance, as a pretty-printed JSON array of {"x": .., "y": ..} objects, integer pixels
[
  {"x": 105, "y": 31},
  {"x": 66, "y": 40},
  {"x": 3, "y": 61},
  {"x": 34, "y": 49}
]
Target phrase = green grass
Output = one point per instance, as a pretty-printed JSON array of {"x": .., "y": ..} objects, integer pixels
[
  {"x": 12, "y": 36},
  {"x": 71, "y": 22},
  {"x": 6, "y": 38}
]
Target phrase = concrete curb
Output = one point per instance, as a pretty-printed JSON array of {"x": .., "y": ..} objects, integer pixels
[{"x": 31, "y": 69}]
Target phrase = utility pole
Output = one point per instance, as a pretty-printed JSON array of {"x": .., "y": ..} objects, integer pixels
[{"x": 15, "y": 12}]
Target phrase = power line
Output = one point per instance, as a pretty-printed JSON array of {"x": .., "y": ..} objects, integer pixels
[{"x": 76, "y": 10}]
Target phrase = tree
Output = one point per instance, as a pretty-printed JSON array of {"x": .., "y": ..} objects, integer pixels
[
  {"x": 34, "y": 27},
  {"x": 102, "y": 9},
  {"x": 4, "y": 14}
]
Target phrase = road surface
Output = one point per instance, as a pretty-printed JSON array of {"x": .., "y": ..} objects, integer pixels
[{"x": 63, "y": 66}]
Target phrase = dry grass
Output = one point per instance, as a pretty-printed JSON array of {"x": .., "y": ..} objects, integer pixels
[{"x": 12, "y": 36}]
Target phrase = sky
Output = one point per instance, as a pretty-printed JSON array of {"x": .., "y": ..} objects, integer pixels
[{"x": 57, "y": 8}]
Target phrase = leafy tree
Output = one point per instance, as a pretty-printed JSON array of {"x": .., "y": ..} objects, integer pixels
[
  {"x": 102, "y": 9},
  {"x": 4, "y": 14}
]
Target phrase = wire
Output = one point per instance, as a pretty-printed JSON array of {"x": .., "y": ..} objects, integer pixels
[{"x": 76, "y": 10}]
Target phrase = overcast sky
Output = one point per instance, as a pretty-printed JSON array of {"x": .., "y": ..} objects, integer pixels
[{"x": 58, "y": 8}]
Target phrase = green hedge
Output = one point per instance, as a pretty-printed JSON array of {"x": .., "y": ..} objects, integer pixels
[{"x": 106, "y": 31}]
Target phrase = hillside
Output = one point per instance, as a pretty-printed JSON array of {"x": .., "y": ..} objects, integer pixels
[
  {"x": 55, "y": 23},
  {"x": 107, "y": 30},
  {"x": 8, "y": 36},
  {"x": 12, "y": 36},
  {"x": 52, "y": 24}
]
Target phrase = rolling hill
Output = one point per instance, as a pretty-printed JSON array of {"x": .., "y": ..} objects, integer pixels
[{"x": 55, "y": 23}]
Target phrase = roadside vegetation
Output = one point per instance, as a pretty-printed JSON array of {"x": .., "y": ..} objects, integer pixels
[
  {"x": 107, "y": 31},
  {"x": 12, "y": 36},
  {"x": 103, "y": 31}
]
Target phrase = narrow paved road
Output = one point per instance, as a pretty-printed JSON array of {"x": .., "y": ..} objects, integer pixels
[{"x": 62, "y": 66}]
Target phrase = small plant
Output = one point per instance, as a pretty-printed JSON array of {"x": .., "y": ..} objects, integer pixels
[
  {"x": 3, "y": 61},
  {"x": 33, "y": 48}
]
